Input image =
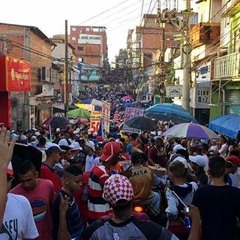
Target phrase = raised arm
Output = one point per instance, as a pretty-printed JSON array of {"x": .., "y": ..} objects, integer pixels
[
  {"x": 195, "y": 233},
  {"x": 6, "y": 151}
]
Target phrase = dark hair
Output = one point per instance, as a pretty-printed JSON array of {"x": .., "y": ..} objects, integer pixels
[
  {"x": 137, "y": 157},
  {"x": 80, "y": 158},
  {"x": 121, "y": 205},
  {"x": 42, "y": 140},
  {"x": 234, "y": 152},
  {"x": 184, "y": 153},
  {"x": 178, "y": 169},
  {"x": 217, "y": 166},
  {"x": 134, "y": 135},
  {"x": 73, "y": 170},
  {"x": 25, "y": 167},
  {"x": 122, "y": 140}
]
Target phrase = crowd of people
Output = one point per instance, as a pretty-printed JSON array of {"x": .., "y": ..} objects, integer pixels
[{"x": 79, "y": 185}]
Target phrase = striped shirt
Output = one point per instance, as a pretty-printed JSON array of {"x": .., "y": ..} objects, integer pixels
[{"x": 97, "y": 206}]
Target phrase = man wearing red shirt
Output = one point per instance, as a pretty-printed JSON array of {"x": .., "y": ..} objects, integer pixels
[{"x": 47, "y": 171}]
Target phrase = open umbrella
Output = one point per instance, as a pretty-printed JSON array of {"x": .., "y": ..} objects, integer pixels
[
  {"x": 142, "y": 123},
  {"x": 169, "y": 111},
  {"x": 228, "y": 125},
  {"x": 78, "y": 113},
  {"x": 128, "y": 104},
  {"x": 127, "y": 99},
  {"x": 190, "y": 130},
  {"x": 55, "y": 122}
]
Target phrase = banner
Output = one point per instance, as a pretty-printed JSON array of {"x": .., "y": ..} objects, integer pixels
[
  {"x": 131, "y": 112},
  {"x": 106, "y": 108},
  {"x": 95, "y": 120}
]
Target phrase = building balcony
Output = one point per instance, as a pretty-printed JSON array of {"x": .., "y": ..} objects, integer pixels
[
  {"x": 227, "y": 67},
  {"x": 232, "y": 10},
  {"x": 204, "y": 33}
]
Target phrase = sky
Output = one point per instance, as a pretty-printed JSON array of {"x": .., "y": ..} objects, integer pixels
[{"x": 49, "y": 16}]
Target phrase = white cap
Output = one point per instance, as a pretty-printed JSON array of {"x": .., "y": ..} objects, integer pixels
[
  {"x": 182, "y": 160},
  {"x": 63, "y": 142},
  {"x": 75, "y": 146},
  {"x": 198, "y": 159},
  {"x": 10, "y": 168},
  {"x": 49, "y": 147},
  {"x": 91, "y": 145},
  {"x": 76, "y": 131},
  {"x": 178, "y": 147}
]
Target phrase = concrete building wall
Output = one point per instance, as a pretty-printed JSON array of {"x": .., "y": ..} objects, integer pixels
[{"x": 30, "y": 44}]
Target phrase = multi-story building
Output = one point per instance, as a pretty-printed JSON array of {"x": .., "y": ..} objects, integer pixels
[
  {"x": 146, "y": 47},
  {"x": 90, "y": 44},
  {"x": 27, "y": 108},
  {"x": 204, "y": 38},
  {"x": 225, "y": 97},
  {"x": 91, "y": 50}
]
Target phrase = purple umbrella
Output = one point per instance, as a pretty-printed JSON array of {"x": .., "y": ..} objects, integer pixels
[{"x": 190, "y": 130}]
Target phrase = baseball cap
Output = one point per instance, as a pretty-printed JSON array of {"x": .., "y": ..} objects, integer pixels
[
  {"x": 76, "y": 131},
  {"x": 109, "y": 150},
  {"x": 182, "y": 160},
  {"x": 235, "y": 160},
  {"x": 178, "y": 147},
  {"x": 198, "y": 159},
  {"x": 91, "y": 145},
  {"x": 116, "y": 188},
  {"x": 10, "y": 169},
  {"x": 99, "y": 138},
  {"x": 63, "y": 142},
  {"x": 53, "y": 148},
  {"x": 75, "y": 146}
]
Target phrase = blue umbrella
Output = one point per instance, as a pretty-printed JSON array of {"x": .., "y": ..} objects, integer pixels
[
  {"x": 128, "y": 104},
  {"x": 169, "y": 112},
  {"x": 228, "y": 125}
]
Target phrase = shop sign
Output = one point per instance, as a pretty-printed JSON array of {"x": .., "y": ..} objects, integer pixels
[
  {"x": 174, "y": 91},
  {"x": 15, "y": 75},
  {"x": 203, "y": 73}
]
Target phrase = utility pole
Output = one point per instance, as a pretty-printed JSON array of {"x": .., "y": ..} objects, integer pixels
[
  {"x": 161, "y": 59},
  {"x": 66, "y": 94},
  {"x": 186, "y": 51},
  {"x": 181, "y": 21}
]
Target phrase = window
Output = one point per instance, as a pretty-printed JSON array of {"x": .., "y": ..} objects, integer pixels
[
  {"x": 74, "y": 38},
  {"x": 73, "y": 29},
  {"x": 80, "y": 48}
]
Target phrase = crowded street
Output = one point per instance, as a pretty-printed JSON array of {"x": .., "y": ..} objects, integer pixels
[{"x": 120, "y": 120}]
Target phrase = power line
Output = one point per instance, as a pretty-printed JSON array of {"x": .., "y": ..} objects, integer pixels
[{"x": 107, "y": 10}]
